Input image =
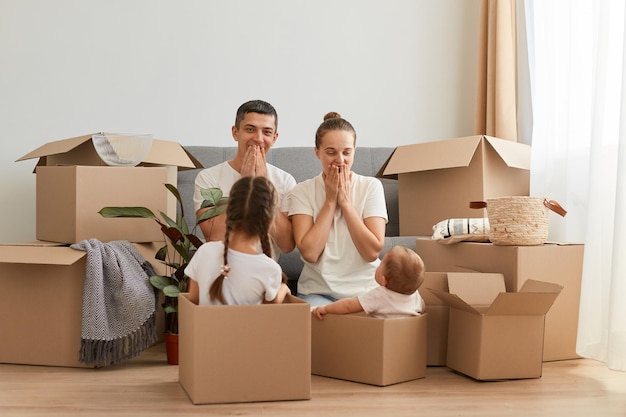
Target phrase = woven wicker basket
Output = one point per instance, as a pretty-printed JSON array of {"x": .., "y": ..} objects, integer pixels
[{"x": 520, "y": 220}]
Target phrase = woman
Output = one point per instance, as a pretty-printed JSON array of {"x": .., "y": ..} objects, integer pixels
[{"x": 338, "y": 220}]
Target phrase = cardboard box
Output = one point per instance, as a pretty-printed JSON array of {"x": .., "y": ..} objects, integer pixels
[
  {"x": 73, "y": 185},
  {"x": 245, "y": 353},
  {"x": 494, "y": 334},
  {"x": 438, "y": 316},
  {"x": 437, "y": 180},
  {"x": 552, "y": 262},
  {"x": 369, "y": 350},
  {"x": 42, "y": 301},
  {"x": 70, "y": 197}
]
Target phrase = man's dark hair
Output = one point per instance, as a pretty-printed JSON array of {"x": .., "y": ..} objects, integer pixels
[{"x": 256, "y": 106}]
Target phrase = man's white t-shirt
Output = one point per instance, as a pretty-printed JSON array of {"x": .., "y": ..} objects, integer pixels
[
  {"x": 384, "y": 303},
  {"x": 252, "y": 278},
  {"x": 340, "y": 271},
  {"x": 223, "y": 176}
]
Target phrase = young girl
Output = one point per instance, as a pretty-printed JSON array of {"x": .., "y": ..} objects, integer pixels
[{"x": 233, "y": 271}]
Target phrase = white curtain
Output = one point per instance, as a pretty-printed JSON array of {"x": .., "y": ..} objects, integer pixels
[{"x": 578, "y": 89}]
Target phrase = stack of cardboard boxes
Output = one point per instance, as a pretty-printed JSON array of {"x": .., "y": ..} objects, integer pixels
[
  {"x": 436, "y": 181},
  {"x": 43, "y": 280}
]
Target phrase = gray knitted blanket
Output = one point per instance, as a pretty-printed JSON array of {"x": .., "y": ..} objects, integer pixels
[{"x": 119, "y": 303}]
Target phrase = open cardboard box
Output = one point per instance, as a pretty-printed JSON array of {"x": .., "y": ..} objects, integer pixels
[
  {"x": 73, "y": 184},
  {"x": 245, "y": 353},
  {"x": 559, "y": 263},
  {"x": 494, "y": 334},
  {"x": 437, "y": 180},
  {"x": 369, "y": 350},
  {"x": 42, "y": 285}
]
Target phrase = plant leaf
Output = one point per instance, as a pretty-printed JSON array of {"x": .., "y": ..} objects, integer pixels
[
  {"x": 211, "y": 196},
  {"x": 172, "y": 233},
  {"x": 159, "y": 281},
  {"x": 172, "y": 189},
  {"x": 195, "y": 240},
  {"x": 182, "y": 251},
  {"x": 142, "y": 212},
  {"x": 212, "y": 212},
  {"x": 168, "y": 220},
  {"x": 171, "y": 291},
  {"x": 161, "y": 254},
  {"x": 182, "y": 224}
]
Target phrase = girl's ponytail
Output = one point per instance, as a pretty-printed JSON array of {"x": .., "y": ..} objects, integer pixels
[{"x": 215, "y": 291}]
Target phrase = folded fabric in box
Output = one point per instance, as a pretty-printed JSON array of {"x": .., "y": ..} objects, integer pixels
[{"x": 459, "y": 230}]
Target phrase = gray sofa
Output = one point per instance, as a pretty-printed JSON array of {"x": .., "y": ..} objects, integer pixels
[{"x": 302, "y": 164}]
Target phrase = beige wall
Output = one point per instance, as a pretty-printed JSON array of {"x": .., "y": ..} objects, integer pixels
[{"x": 401, "y": 71}]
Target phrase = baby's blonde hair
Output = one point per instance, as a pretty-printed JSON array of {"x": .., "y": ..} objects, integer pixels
[{"x": 404, "y": 270}]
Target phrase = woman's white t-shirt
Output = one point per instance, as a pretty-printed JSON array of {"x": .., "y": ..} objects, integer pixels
[
  {"x": 340, "y": 271},
  {"x": 252, "y": 278},
  {"x": 383, "y": 303}
]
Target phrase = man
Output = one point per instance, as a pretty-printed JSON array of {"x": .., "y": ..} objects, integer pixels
[{"x": 255, "y": 131}]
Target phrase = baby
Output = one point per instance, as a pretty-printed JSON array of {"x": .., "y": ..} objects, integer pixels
[{"x": 399, "y": 274}]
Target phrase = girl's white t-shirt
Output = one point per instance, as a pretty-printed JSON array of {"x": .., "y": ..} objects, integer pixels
[
  {"x": 340, "y": 271},
  {"x": 252, "y": 278}
]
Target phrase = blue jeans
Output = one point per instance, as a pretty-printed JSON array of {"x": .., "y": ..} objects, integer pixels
[{"x": 316, "y": 299}]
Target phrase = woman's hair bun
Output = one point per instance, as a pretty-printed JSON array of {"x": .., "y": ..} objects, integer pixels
[{"x": 332, "y": 115}]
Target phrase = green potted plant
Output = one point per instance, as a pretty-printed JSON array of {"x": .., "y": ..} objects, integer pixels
[{"x": 184, "y": 243}]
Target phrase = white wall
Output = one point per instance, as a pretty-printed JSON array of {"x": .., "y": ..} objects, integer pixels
[{"x": 402, "y": 71}]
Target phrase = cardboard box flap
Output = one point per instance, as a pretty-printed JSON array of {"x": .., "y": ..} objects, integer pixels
[
  {"x": 170, "y": 153},
  {"x": 56, "y": 147},
  {"x": 434, "y": 280},
  {"x": 454, "y": 300},
  {"x": 162, "y": 152},
  {"x": 531, "y": 285},
  {"x": 381, "y": 171},
  {"x": 40, "y": 255},
  {"x": 522, "y": 304},
  {"x": 476, "y": 288},
  {"x": 514, "y": 154},
  {"x": 427, "y": 156},
  {"x": 533, "y": 299},
  {"x": 194, "y": 160}
]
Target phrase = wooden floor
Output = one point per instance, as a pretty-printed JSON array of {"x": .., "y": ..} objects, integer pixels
[{"x": 147, "y": 386}]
